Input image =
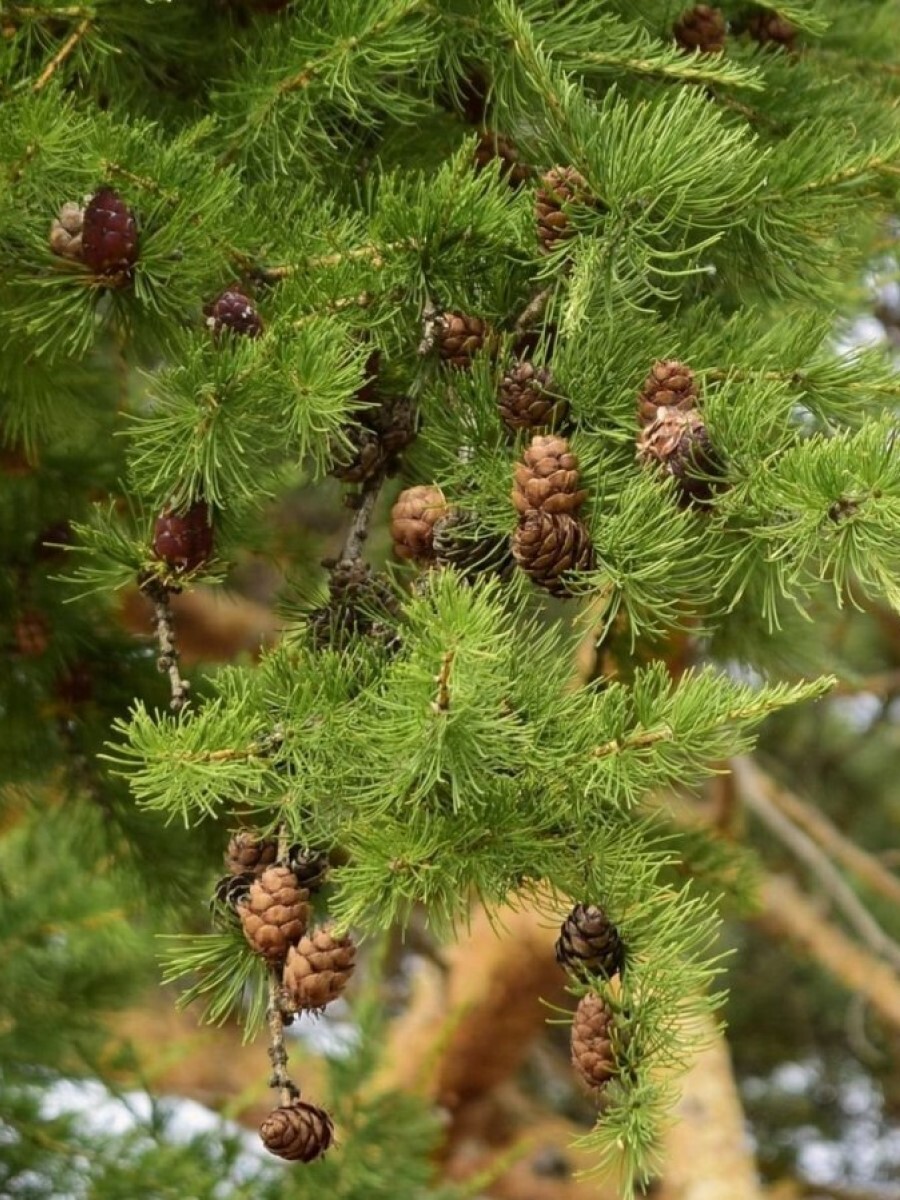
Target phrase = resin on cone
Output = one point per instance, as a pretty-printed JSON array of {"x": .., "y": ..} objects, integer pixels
[
  {"x": 588, "y": 941},
  {"x": 592, "y": 1044},
  {"x": 547, "y": 546},
  {"x": 318, "y": 969},
  {"x": 275, "y": 914},
  {"x": 184, "y": 541},
  {"x": 413, "y": 518},
  {"x": 548, "y": 478},
  {"x": 298, "y": 1132},
  {"x": 109, "y": 237}
]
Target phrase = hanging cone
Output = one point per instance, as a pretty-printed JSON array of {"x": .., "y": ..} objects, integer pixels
[
  {"x": 677, "y": 442},
  {"x": 318, "y": 969},
  {"x": 528, "y": 400},
  {"x": 592, "y": 1045},
  {"x": 588, "y": 941},
  {"x": 299, "y": 1132},
  {"x": 670, "y": 384},
  {"x": 247, "y": 851},
  {"x": 413, "y": 518},
  {"x": 559, "y": 190}
]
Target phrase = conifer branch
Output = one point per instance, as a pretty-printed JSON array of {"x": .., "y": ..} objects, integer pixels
[
  {"x": 534, "y": 309},
  {"x": 754, "y": 794},
  {"x": 167, "y": 663},
  {"x": 64, "y": 52},
  {"x": 352, "y": 549}
]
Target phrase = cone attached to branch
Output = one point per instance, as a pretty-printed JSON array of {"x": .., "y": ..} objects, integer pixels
[
  {"x": 310, "y": 867},
  {"x": 247, "y": 851},
  {"x": 528, "y": 399},
  {"x": 318, "y": 969},
  {"x": 588, "y": 941},
  {"x": 592, "y": 1044},
  {"x": 413, "y": 518},
  {"x": 670, "y": 384},
  {"x": 459, "y": 337},
  {"x": 109, "y": 237},
  {"x": 375, "y": 442},
  {"x": 548, "y": 545},
  {"x": 234, "y": 312},
  {"x": 702, "y": 28},
  {"x": 560, "y": 190},
  {"x": 771, "y": 29},
  {"x": 494, "y": 147},
  {"x": 458, "y": 544},
  {"x": 184, "y": 541},
  {"x": 548, "y": 478},
  {"x": 677, "y": 442},
  {"x": 275, "y": 914},
  {"x": 66, "y": 231},
  {"x": 298, "y": 1132}
]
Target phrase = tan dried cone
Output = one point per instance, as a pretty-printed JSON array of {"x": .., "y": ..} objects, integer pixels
[
  {"x": 527, "y": 398},
  {"x": 559, "y": 189},
  {"x": 592, "y": 1046},
  {"x": 247, "y": 851},
  {"x": 65, "y": 232},
  {"x": 677, "y": 442},
  {"x": 702, "y": 28},
  {"x": 670, "y": 384},
  {"x": 413, "y": 518},
  {"x": 299, "y": 1132},
  {"x": 548, "y": 478},
  {"x": 275, "y": 914},
  {"x": 318, "y": 969},
  {"x": 548, "y": 545}
]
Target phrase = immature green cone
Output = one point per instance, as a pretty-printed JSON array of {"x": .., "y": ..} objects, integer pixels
[
  {"x": 588, "y": 941},
  {"x": 318, "y": 969},
  {"x": 592, "y": 1046},
  {"x": 547, "y": 546},
  {"x": 275, "y": 914},
  {"x": 670, "y": 384},
  {"x": 299, "y": 1132},
  {"x": 413, "y": 518},
  {"x": 247, "y": 851},
  {"x": 702, "y": 28},
  {"x": 528, "y": 399},
  {"x": 548, "y": 478},
  {"x": 457, "y": 544},
  {"x": 459, "y": 337},
  {"x": 559, "y": 190},
  {"x": 677, "y": 442}
]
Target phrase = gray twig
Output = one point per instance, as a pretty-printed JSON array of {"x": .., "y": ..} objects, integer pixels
[{"x": 168, "y": 651}]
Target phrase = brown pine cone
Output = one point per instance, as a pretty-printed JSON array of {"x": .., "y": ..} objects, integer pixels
[
  {"x": 318, "y": 969},
  {"x": 771, "y": 29},
  {"x": 588, "y": 941},
  {"x": 527, "y": 399},
  {"x": 678, "y": 443},
  {"x": 299, "y": 1132},
  {"x": 66, "y": 231},
  {"x": 362, "y": 459},
  {"x": 548, "y": 545},
  {"x": 559, "y": 189},
  {"x": 109, "y": 237},
  {"x": 275, "y": 914},
  {"x": 458, "y": 543},
  {"x": 592, "y": 1045},
  {"x": 184, "y": 541},
  {"x": 234, "y": 312},
  {"x": 247, "y": 851},
  {"x": 31, "y": 634},
  {"x": 413, "y": 518},
  {"x": 702, "y": 28},
  {"x": 670, "y": 384},
  {"x": 459, "y": 337},
  {"x": 309, "y": 866},
  {"x": 494, "y": 147},
  {"x": 548, "y": 477}
]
